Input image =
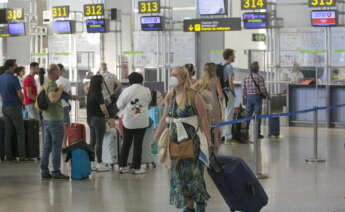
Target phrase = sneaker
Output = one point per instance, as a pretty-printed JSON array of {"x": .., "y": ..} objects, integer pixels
[
  {"x": 46, "y": 176},
  {"x": 230, "y": 141},
  {"x": 124, "y": 170},
  {"x": 189, "y": 210},
  {"x": 139, "y": 171},
  {"x": 60, "y": 176},
  {"x": 93, "y": 166},
  {"x": 261, "y": 137},
  {"x": 100, "y": 167}
]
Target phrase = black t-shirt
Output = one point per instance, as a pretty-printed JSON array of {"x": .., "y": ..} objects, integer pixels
[{"x": 93, "y": 105}]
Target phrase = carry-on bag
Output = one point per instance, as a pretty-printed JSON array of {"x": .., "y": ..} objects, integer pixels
[
  {"x": 109, "y": 148},
  {"x": 76, "y": 132},
  {"x": 80, "y": 165},
  {"x": 237, "y": 184},
  {"x": 240, "y": 131},
  {"x": 32, "y": 138}
]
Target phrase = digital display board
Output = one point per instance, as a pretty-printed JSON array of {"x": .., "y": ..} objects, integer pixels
[
  {"x": 253, "y": 4},
  {"x": 4, "y": 31},
  {"x": 212, "y": 25},
  {"x": 93, "y": 10},
  {"x": 322, "y": 3},
  {"x": 15, "y": 14},
  {"x": 255, "y": 20},
  {"x": 95, "y": 26},
  {"x": 151, "y": 23},
  {"x": 149, "y": 7},
  {"x": 16, "y": 29},
  {"x": 60, "y": 12},
  {"x": 323, "y": 18},
  {"x": 62, "y": 27},
  {"x": 212, "y": 7}
]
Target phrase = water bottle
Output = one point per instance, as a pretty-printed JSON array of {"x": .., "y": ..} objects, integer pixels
[{"x": 154, "y": 149}]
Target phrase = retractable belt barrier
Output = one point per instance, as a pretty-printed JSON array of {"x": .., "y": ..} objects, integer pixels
[{"x": 268, "y": 116}]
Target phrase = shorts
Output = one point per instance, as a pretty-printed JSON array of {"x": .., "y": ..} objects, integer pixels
[{"x": 67, "y": 119}]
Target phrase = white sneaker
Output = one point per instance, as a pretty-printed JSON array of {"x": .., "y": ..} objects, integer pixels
[
  {"x": 93, "y": 166},
  {"x": 102, "y": 168},
  {"x": 124, "y": 170},
  {"x": 139, "y": 171}
]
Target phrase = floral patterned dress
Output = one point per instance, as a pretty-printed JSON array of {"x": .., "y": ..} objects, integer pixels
[{"x": 187, "y": 175}]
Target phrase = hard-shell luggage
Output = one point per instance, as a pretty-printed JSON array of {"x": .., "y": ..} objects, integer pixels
[
  {"x": 240, "y": 131},
  {"x": 2, "y": 139},
  {"x": 80, "y": 165},
  {"x": 274, "y": 127},
  {"x": 110, "y": 151},
  {"x": 155, "y": 114},
  {"x": 76, "y": 132},
  {"x": 237, "y": 184},
  {"x": 32, "y": 138}
]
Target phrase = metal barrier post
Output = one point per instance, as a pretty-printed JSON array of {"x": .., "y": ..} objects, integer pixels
[
  {"x": 257, "y": 150},
  {"x": 315, "y": 158}
]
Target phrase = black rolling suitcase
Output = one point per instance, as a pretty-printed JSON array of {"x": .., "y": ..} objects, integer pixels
[
  {"x": 240, "y": 131},
  {"x": 2, "y": 139},
  {"x": 237, "y": 184},
  {"x": 32, "y": 138}
]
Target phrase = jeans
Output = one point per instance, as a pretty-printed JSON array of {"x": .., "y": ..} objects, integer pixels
[
  {"x": 129, "y": 135},
  {"x": 33, "y": 113},
  {"x": 228, "y": 116},
  {"x": 254, "y": 105},
  {"x": 14, "y": 124},
  {"x": 67, "y": 118},
  {"x": 53, "y": 137},
  {"x": 97, "y": 131}
]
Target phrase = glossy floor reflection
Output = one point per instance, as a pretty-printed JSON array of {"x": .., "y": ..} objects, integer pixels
[{"x": 293, "y": 186}]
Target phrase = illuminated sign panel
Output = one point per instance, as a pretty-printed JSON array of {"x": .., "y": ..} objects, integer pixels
[
  {"x": 15, "y": 14},
  {"x": 212, "y": 25},
  {"x": 323, "y": 18},
  {"x": 94, "y": 10},
  {"x": 60, "y": 12},
  {"x": 151, "y": 23},
  {"x": 95, "y": 26},
  {"x": 253, "y": 4},
  {"x": 255, "y": 20},
  {"x": 322, "y": 3},
  {"x": 149, "y": 7}
]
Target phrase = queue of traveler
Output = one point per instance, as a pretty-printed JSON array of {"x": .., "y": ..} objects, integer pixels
[{"x": 190, "y": 107}]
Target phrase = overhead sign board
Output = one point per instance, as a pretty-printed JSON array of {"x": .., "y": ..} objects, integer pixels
[
  {"x": 212, "y": 25},
  {"x": 60, "y": 12},
  {"x": 149, "y": 7},
  {"x": 15, "y": 14},
  {"x": 257, "y": 37},
  {"x": 255, "y": 20},
  {"x": 322, "y": 3},
  {"x": 254, "y": 4},
  {"x": 94, "y": 10}
]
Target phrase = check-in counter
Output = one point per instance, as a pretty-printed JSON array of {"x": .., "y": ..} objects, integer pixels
[{"x": 305, "y": 97}]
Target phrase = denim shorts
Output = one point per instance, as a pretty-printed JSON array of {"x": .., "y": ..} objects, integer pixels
[{"x": 67, "y": 119}]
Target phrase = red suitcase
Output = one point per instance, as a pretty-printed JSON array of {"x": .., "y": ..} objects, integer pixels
[{"x": 75, "y": 133}]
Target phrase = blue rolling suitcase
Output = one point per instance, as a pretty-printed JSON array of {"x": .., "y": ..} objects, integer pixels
[
  {"x": 237, "y": 184},
  {"x": 274, "y": 127},
  {"x": 80, "y": 165}
]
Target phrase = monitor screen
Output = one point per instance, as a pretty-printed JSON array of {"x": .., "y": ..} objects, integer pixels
[
  {"x": 323, "y": 18},
  {"x": 255, "y": 20},
  {"x": 95, "y": 25},
  {"x": 16, "y": 29},
  {"x": 212, "y": 7},
  {"x": 62, "y": 27},
  {"x": 151, "y": 23}
]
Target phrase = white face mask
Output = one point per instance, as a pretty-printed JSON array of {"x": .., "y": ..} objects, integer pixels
[{"x": 173, "y": 82}]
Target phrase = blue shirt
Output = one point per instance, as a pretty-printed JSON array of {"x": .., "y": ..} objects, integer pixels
[
  {"x": 228, "y": 71},
  {"x": 9, "y": 85}
]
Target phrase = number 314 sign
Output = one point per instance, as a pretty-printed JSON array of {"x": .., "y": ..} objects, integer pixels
[{"x": 253, "y": 4}]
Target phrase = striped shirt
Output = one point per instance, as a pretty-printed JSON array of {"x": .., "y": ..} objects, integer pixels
[{"x": 249, "y": 87}]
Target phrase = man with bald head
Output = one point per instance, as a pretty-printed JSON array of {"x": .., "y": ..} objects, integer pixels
[{"x": 53, "y": 126}]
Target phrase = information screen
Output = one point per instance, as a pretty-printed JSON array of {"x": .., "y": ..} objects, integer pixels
[
  {"x": 62, "y": 27},
  {"x": 212, "y": 7},
  {"x": 323, "y": 18},
  {"x": 255, "y": 20},
  {"x": 95, "y": 25},
  {"x": 151, "y": 23},
  {"x": 16, "y": 29}
]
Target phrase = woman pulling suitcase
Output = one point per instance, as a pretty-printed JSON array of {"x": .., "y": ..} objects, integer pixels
[{"x": 188, "y": 139}]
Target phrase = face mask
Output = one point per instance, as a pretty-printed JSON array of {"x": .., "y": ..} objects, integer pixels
[{"x": 173, "y": 82}]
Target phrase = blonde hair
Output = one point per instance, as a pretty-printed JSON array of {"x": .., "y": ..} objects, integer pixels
[
  {"x": 187, "y": 94},
  {"x": 210, "y": 73}
]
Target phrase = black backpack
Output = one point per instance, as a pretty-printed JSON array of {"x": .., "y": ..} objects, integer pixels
[
  {"x": 42, "y": 100},
  {"x": 220, "y": 74}
]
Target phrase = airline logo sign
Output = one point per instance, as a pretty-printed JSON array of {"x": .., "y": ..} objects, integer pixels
[
  {"x": 212, "y": 25},
  {"x": 324, "y": 18}
]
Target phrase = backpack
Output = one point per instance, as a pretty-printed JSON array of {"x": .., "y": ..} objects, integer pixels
[
  {"x": 220, "y": 74},
  {"x": 42, "y": 100}
]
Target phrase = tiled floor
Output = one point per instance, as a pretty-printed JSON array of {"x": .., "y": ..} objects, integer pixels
[{"x": 293, "y": 186}]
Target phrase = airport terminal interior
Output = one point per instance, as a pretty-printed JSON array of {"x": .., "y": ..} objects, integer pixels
[{"x": 172, "y": 105}]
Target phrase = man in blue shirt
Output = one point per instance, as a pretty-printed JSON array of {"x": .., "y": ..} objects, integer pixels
[{"x": 12, "y": 95}]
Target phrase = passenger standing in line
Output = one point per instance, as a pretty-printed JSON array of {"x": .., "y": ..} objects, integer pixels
[
  {"x": 254, "y": 91},
  {"x": 187, "y": 183},
  {"x": 30, "y": 92},
  {"x": 191, "y": 71},
  {"x": 2, "y": 70},
  {"x": 97, "y": 114},
  {"x": 229, "y": 92},
  {"x": 133, "y": 104},
  {"x": 211, "y": 90},
  {"x": 53, "y": 127},
  {"x": 12, "y": 96},
  {"x": 20, "y": 72}
]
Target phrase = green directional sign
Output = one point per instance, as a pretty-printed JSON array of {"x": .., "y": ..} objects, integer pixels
[
  {"x": 39, "y": 54},
  {"x": 133, "y": 52},
  {"x": 308, "y": 51}
]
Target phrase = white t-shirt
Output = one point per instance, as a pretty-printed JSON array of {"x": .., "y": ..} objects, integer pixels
[
  {"x": 67, "y": 88},
  {"x": 133, "y": 104}
]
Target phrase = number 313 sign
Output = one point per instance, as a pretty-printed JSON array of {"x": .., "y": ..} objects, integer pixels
[
  {"x": 253, "y": 4},
  {"x": 322, "y": 3}
]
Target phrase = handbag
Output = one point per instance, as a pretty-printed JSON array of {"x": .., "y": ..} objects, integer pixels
[
  {"x": 182, "y": 150},
  {"x": 112, "y": 107},
  {"x": 261, "y": 94}
]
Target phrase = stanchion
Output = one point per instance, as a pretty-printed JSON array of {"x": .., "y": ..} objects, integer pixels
[
  {"x": 257, "y": 147},
  {"x": 315, "y": 158}
]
